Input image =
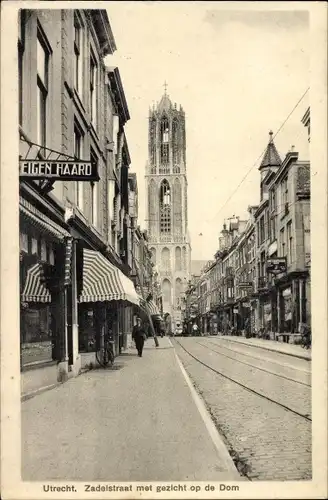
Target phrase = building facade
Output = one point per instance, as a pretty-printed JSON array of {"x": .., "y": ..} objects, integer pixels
[
  {"x": 167, "y": 211},
  {"x": 71, "y": 107},
  {"x": 260, "y": 281}
]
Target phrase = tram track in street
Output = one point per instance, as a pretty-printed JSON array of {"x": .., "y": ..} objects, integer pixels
[
  {"x": 249, "y": 364},
  {"x": 245, "y": 387}
]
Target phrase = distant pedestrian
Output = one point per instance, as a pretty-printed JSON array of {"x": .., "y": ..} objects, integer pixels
[
  {"x": 195, "y": 329},
  {"x": 139, "y": 336}
]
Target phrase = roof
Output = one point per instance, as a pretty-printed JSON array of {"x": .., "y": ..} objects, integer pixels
[
  {"x": 271, "y": 156},
  {"x": 118, "y": 93},
  {"x": 103, "y": 30},
  {"x": 196, "y": 266},
  {"x": 165, "y": 103}
]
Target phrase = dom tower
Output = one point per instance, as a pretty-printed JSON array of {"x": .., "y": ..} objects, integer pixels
[{"x": 167, "y": 211}]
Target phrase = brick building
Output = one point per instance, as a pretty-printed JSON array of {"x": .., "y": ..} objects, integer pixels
[
  {"x": 244, "y": 286},
  {"x": 71, "y": 107}
]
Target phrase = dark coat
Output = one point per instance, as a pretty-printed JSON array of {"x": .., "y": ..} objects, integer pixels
[{"x": 139, "y": 332}]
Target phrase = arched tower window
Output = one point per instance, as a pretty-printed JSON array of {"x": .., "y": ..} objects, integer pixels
[
  {"x": 166, "y": 287},
  {"x": 178, "y": 263},
  {"x": 164, "y": 141},
  {"x": 178, "y": 292},
  {"x": 152, "y": 144},
  {"x": 175, "y": 146},
  {"x": 152, "y": 207},
  {"x": 177, "y": 207},
  {"x": 184, "y": 258},
  {"x": 165, "y": 207},
  {"x": 166, "y": 261},
  {"x": 153, "y": 255}
]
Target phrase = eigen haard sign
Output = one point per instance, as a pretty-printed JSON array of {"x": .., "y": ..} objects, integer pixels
[{"x": 58, "y": 170}]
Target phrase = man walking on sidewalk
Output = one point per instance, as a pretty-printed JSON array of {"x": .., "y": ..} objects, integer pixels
[{"x": 139, "y": 336}]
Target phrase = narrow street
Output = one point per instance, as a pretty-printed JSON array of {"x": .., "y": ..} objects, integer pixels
[
  {"x": 136, "y": 422},
  {"x": 260, "y": 401},
  {"x": 142, "y": 420}
]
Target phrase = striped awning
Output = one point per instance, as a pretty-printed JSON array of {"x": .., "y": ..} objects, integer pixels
[
  {"x": 34, "y": 289},
  {"x": 151, "y": 308},
  {"x": 33, "y": 216},
  {"x": 102, "y": 281}
]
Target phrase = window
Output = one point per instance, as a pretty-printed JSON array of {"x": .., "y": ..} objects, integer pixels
[
  {"x": 23, "y": 242},
  {"x": 273, "y": 228},
  {"x": 289, "y": 243},
  {"x": 94, "y": 194},
  {"x": 284, "y": 192},
  {"x": 21, "y": 25},
  {"x": 165, "y": 207},
  {"x": 164, "y": 141},
  {"x": 93, "y": 90},
  {"x": 43, "y": 250},
  {"x": 282, "y": 243},
  {"x": 78, "y": 142},
  {"x": 262, "y": 230},
  {"x": 78, "y": 56},
  {"x": 34, "y": 246},
  {"x": 42, "y": 89}
]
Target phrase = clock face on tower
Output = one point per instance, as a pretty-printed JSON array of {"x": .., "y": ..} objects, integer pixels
[{"x": 167, "y": 210}]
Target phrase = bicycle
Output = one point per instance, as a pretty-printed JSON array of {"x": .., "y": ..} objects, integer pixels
[{"x": 105, "y": 355}]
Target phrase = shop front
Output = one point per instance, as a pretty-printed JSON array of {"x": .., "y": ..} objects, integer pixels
[
  {"x": 43, "y": 307},
  {"x": 267, "y": 315},
  {"x": 105, "y": 305}
]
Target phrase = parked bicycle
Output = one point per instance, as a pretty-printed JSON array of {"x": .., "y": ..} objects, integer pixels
[
  {"x": 305, "y": 331},
  {"x": 105, "y": 355}
]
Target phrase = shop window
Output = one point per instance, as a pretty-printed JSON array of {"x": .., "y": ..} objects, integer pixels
[
  {"x": 87, "y": 329},
  {"x": 36, "y": 334},
  {"x": 42, "y": 88}
]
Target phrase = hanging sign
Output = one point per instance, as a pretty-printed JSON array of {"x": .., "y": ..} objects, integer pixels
[
  {"x": 245, "y": 285},
  {"x": 58, "y": 170},
  {"x": 276, "y": 266}
]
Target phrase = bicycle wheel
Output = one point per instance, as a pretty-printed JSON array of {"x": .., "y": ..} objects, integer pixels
[{"x": 105, "y": 357}]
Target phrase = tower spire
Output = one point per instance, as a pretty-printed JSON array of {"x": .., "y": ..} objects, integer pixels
[{"x": 165, "y": 88}]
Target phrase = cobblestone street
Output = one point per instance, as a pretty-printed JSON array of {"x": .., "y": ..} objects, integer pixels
[
  {"x": 266, "y": 440},
  {"x": 136, "y": 422}
]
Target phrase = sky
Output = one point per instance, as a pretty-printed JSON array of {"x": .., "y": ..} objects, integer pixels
[{"x": 237, "y": 74}]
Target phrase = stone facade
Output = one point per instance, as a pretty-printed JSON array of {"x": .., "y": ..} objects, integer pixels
[{"x": 167, "y": 210}]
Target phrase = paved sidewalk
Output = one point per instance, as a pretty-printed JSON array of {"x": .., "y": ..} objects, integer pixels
[
  {"x": 136, "y": 422},
  {"x": 270, "y": 345}
]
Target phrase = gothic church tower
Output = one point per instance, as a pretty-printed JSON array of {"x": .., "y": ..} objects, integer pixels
[{"x": 167, "y": 211}]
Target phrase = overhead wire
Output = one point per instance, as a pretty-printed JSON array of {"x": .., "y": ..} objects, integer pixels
[{"x": 262, "y": 153}]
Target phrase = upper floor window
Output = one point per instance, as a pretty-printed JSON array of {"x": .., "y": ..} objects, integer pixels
[
  {"x": 94, "y": 194},
  {"x": 42, "y": 88},
  {"x": 93, "y": 90},
  {"x": 284, "y": 191},
  {"x": 78, "y": 56},
  {"x": 78, "y": 148},
  {"x": 21, "y": 31}
]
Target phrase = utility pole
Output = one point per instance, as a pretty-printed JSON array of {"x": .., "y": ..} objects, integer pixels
[{"x": 143, "y": 296}]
